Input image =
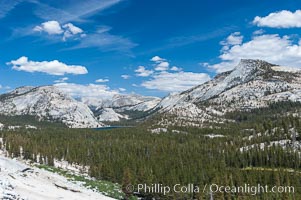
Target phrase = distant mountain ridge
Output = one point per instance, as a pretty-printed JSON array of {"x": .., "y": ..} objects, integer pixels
[
  {"x": 48, "y": 103},
  {"x": 251, "y": 84},
  {"x": 119, "y": 106}
]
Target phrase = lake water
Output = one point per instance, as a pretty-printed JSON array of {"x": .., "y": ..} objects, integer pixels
[{"x": 112, "y": 127}]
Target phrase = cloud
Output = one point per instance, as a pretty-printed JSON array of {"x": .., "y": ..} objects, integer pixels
[
  {"x": 122, "y": 89},
  {"x": 125, "y": 76},
  {"x": 141, "y": 71},
  {"x": 89, "y": 90},
  {"x": 233, "y": 39},
  {"x": 157, "y": 59},
  {"x": 55, "y": 28},
  {"x": 102, "y": 80},
  {"x": 161, "y": 63},
  {"x": 258, "y": 32},
  {"x": 168, "y": 79},
  {"x": 72, "y": 11},
  {"x": 8, "y": 5},
  {"x": 281, "y": 19},
  {"x": 163, "y": 66},
  {"x": 105, "y": 41},
  {"x": 61, "y": 80},
  {"x": 185, "y": 40},
  {"x": 50, "y": 27},
  {"x": 272, "y": 48},
  {"x": 101, "y": 38},
  {"x": 71, "y": 30},
  {"x": 175, "y": 68},
  {"x": 175, "y": 82},
  {"x": 5, "y": 88},
  {"x": 50, "y": 67}
]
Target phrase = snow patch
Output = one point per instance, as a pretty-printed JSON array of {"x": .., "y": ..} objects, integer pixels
[
  {"x": 158, "y": 130},
  {"x": 22, "y": 181},
  {"x": 74, "y": 168},
  {"x": 214, "y": 136}
]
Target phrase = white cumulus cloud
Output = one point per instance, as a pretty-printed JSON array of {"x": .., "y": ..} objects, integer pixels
[
  {"x": 55, "y": 28},
  {"x": 162, "y": 66},
  {"x": 167, "y": 79},
  {"x": 233, "y": 39},
  {"x": 54, "y": 67},
  {"x": 122, "y": 89},
  {"x": 61, "y": 80},
  {"x": 157, "y": 59},
  {"x": 272, "y": 48},
  {"x": 160, "y": 63},
  {"x": 175, "y": 82},
  {"x": 175, "y": 68},
  {"x": 258, "y": 32},
  {"x": 89, "y": 90},
  {"x": 71, "y": 30},
  {"x": 100, "y": 38},
  {"x": 50, "y": 27},
  {"x": 141, "y": 71},
  {"x": 281, "y": 19},
  {"x": 102, "y": 80},
  {"x": 125, "y": 76}
]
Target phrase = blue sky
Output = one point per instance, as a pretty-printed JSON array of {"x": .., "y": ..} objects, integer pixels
[{"x": 106, "y": 47}]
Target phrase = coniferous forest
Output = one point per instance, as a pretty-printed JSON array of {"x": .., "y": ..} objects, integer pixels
[{"x": 134, "y": 155}]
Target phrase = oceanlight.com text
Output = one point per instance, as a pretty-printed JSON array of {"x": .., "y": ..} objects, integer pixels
[{"x": 209, "y": 188}]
